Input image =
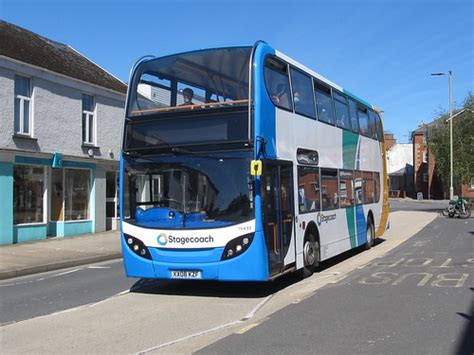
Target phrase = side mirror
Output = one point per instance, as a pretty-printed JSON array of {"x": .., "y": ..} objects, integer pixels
[{"x": 256, "y": 167}]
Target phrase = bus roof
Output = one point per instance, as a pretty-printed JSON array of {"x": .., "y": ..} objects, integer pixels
[{"x": 287, "y": 59}]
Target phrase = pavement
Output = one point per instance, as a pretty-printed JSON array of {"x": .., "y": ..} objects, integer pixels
[{"x": 58, "y": 253}]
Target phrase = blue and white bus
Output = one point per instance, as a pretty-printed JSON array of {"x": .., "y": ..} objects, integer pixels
[{"x": 241, "y": 164}]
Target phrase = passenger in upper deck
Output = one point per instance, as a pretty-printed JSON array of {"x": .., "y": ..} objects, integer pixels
[
  {"x": 188, "y": 95},
  {"x": 281, "y": 96}
]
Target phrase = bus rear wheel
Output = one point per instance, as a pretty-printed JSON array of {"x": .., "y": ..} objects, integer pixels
[
  {"x": 310, "y": 255},
  {"x": 370, "y": 234}
]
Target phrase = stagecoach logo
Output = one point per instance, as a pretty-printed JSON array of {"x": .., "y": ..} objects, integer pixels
[
  {"x": 325, "y": 218},
  {"x": 162, "y": 239}
]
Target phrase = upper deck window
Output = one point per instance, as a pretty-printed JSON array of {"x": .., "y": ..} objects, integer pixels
[
  {"x": 342, "y": 111},
  {"x": 205, "y": 79},
  {"x": 353, "y": 113},
  {"x": 303, "y": 97},
  {"x": 363, "y": 121},
  {"x": 324, "y": 104},
  {"x": 277, "y": 83},
  {"x": 378, "y": 127}
]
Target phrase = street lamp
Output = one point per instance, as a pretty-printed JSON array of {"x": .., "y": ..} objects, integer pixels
[{"x": 449, "y": 74}]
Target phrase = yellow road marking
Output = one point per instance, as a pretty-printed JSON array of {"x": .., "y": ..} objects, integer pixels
[{"x": 246, "y": 328}]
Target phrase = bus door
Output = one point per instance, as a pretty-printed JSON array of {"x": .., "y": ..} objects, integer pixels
[{"x": 278, "y": 212}]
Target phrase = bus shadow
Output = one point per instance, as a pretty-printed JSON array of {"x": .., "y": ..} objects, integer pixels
[
  {"x": 222, "y": 289},
  {"x": 218, "y": 289},
  {"x": 346, "y": 255}
]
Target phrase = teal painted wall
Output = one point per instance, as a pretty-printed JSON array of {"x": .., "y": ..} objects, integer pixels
[
  {"x": 27, "y": 233},
  {"x": 65, "y": 229},
  {"x": 6, "y": 203},
  {"x": 92, "y": 202},
  {"x": 73, "y": 228}
]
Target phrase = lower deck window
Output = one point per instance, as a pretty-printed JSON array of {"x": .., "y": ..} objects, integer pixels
[
  {"x": 308, "y": 189},
  {"x": 368, "y": 188},
  {"x": 346, "y": 193},
  {"x": 329, "y": 189}
]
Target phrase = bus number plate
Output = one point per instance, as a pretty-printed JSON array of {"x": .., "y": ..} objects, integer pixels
[{"x": 185, "y": 274}]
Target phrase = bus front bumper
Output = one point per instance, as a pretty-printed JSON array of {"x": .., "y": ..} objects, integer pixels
[{"x": 249, "y": 266}]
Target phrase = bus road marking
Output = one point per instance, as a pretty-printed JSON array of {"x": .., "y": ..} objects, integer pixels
[{"x": 454, "y": 280}]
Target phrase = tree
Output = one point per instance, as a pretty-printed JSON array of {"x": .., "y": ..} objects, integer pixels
[{"x": 463, "y": 144}]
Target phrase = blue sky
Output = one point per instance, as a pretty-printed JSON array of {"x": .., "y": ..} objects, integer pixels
[{"x": 381, "y": 50}]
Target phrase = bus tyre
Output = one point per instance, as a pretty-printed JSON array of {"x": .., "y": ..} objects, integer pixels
[
  {"x": 310, "y": 255},
  {"x": 370, "y": 234}
]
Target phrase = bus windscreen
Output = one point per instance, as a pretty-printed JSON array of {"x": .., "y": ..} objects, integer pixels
[{"x": 198, "y": 80}]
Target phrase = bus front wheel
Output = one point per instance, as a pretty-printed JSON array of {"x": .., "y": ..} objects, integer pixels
[{"x": 310, "y": 255}]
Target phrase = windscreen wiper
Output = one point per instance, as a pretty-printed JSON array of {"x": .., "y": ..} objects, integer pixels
[
  {"x": 182, "y": 151},
  {"x": 133, "y": 154}
]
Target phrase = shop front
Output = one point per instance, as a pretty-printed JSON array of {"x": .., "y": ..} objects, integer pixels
[{"x": 46, "y": 197}]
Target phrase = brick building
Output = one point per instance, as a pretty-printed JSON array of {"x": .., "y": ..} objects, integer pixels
[{"x": 426, "y": 178}]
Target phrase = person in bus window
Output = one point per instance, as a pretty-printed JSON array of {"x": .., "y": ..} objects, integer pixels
[
  {"x": 188, "y": 95},
  {"x": 281, "y": 98},
  {"x": 297, "y": 101}
]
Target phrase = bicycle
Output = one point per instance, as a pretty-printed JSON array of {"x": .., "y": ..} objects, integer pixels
[{"x": 457, "y": 208}]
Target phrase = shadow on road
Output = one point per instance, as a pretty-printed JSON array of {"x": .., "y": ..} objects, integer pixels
[
  {"x": 223, "y": 289},
  {"x": 466, "y": 343}
]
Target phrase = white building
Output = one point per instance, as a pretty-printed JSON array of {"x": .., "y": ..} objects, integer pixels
[
  {"x": 61, "y": 121},
  {"x": 400, "y": 169}
]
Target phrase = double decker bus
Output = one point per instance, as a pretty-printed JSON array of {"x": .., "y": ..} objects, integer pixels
[{"x": 241, "y": 164}]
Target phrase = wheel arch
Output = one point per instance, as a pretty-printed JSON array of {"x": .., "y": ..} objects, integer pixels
[
  {"x": 370, "y": 216},
  {"x": 312, "y": 228}
]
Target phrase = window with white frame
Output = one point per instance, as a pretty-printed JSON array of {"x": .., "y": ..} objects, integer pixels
[
  {"x": 22, "y": 105},
  {"x": 472, "y": 182},
  {"x": 88, "y": 119}
]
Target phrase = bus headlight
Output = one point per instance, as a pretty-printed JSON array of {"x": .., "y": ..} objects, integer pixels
[
  {"x": 137, "y": 246},
  {"x": 237, "y": 246}
]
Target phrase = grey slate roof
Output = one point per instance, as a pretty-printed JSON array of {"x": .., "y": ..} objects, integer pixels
[{"x": 28, "y": 47}]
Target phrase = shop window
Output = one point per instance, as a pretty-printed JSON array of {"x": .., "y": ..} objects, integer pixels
[
  {"x": 28, "y": 194},
  {"x": 111, "y": 194},
  {"x": 303, "y": 97},
  {"x": 329, "y": 189},
  {"x": 368, "y": 180},
  {"x": 277, "y": 83},
  {"x": 308, "y": 189},
  {"x": 358, "y": 191},
  {"x": 77, "y": 193},
  {"x": 346, "y": 188},
  {"x": 324, "y": 104},
  {"x": 22, "y": 105}
]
